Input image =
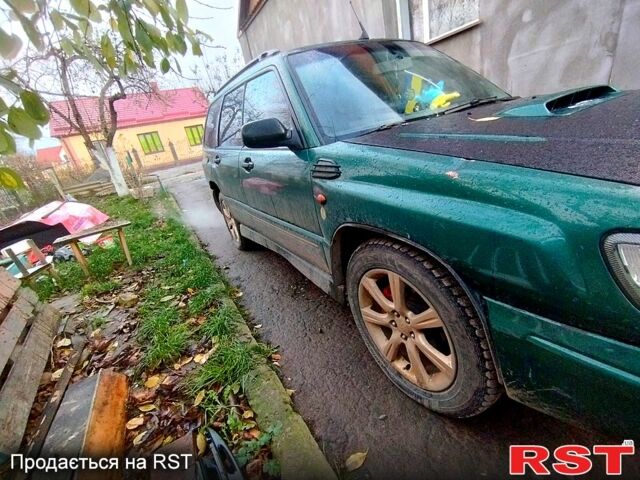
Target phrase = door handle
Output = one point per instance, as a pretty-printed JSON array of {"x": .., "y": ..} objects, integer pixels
[
  {"x": 248, "y": 164},
  {"x": 217, "y": 159}
]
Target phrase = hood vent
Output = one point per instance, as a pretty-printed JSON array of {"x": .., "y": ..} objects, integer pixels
[
  {"x": 579, "y": 99},
  {"x": 564, "y": 103}
]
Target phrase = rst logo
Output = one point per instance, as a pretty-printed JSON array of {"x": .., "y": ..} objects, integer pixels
[{"x": 567, "y": 459}]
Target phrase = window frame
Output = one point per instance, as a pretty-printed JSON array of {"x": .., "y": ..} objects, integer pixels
[
  {"x": 143, "y": 135},
  {"x": 199, "y": 129},
  {"x": 426, "y": 25},
  {"x": 212, "y": 111}
]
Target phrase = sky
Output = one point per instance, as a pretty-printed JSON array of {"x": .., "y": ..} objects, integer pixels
[{"x": 217, "y": 18}]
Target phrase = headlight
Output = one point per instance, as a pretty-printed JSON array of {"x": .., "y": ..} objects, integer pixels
[{"x": 623, "y": 254}]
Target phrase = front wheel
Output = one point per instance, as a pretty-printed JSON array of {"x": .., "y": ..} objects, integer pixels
[
  {"x": 233, "y": 226},
  {"x": 421, "y": 328}
]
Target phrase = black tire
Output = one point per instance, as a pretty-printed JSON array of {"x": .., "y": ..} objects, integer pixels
[
  {"x": 240, "y": 242},
  {"x": 475, "y": 386}
]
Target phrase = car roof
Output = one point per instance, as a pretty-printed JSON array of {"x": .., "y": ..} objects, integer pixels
[{"x": 274, "y": 55}]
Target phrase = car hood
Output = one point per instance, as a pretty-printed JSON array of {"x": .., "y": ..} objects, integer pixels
[{"x": 591, "y": 132}]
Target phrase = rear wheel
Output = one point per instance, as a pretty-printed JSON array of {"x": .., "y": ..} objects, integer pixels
[
  {"x": 421, "y": 328},
  {"x": 233, "y": 226}
]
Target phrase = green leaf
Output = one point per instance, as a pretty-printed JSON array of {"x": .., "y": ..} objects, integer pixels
[
  {"x": 10, "y": 179},
  {"x": 166, "y": 15},
  {"x": 3, "y": 107},
  {"x": 181, "y": 9},
  {"x": 9, "y": 44},
  {"x": 108, "y": 51},
  {"x": 6, "y": 82},
  {"x": 7, "y": 143},
  {"x": 82, "y": 7},
  {"x": 21, "y": 123},
  {"x": 123, "y": 24},
  {"x": 165, "y": 66},
  {"x": 25, "y": 6},
  {"x": 56, "y": 20},
  {"x": 142, "y": 37},
  {"x": 67, "y": 46},
  {"x": 152, "y": 7},
  {"x": 34, "y": 107},
  {"x": 195, "y": 48},
  {"x": 32, "y": 32}
]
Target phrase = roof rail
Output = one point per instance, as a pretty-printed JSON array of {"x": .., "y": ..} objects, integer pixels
[{"x": 262, "y": 56}]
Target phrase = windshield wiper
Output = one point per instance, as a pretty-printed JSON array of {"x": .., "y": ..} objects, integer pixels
[
  {"x": 385, "y": 126},
  {"x": 474, "y": 103}
]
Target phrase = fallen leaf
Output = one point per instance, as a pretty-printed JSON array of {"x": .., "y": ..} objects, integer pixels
[
  {"x": 276, "y": 356},
  {"x": 143, "y": 395},
  {"x": 201, "y": 442},
  {"x": 277, "y": 364},
  {"x": 166, "y": 287},
  {"x": 166, "y": 298},
  {"x": 139, "y": 438},
  {"x": 238, "y": 294},
  {"x": 135, "y": 422},
  {"x": 95, "y": 333},
  {"x": 153, "y": 381},
  {"x": 147, "y": 407},
  {"x": 257, "y": 326},
  {"x": 382, "y": 417},
  {"x": 290, "y": 392},
  {"x": 65, "y": 342},
  {"x": 355, "y": 461},
  {"x": 199, "y": 398},
  {"x": 254, "y": 432},
  {"x": 191, "y": 290},
  {"x": 247, "y": 414},
  {"x": 167, "y": 440},
  {"x": 201, "y": 358},
  {"x": 57, "y": 374},
  {"x": 112, "y": 347}
]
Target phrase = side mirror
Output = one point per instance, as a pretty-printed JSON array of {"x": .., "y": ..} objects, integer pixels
[{"x": 268, "y": 133}]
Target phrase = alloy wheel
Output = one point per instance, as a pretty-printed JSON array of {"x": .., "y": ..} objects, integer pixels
[{"x": 407, "y": 330}]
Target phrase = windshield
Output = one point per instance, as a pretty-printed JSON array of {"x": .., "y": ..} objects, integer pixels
[{"x": 355, "y": 88}]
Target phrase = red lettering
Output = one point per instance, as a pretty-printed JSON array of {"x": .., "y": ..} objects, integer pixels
[
  {"x": 572, "y": 460},
  {"x": 534, "y": 456},
  {"x": 613, "y": 456}
]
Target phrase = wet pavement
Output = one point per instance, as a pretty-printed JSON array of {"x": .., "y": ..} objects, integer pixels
[{"x": 346, "y": 400}]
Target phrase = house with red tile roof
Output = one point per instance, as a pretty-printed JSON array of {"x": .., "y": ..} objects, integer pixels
[
  {"x": 154, "y": 129},
  {"x": 51, "y": 157}
]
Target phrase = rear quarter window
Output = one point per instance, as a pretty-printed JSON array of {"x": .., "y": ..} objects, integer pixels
[
  {"x": 211, "y": 129},
  {"x": 229, "y": 134}
]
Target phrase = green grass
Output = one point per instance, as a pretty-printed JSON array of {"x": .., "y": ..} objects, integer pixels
[
  {"x": 221, "y": 324},
  {"x": 229, "y": 364}
]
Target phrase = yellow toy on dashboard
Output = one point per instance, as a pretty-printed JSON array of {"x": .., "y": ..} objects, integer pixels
[{"x": 433, "y": 97}]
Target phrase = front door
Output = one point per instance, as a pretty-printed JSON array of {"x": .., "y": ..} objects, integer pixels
[{"x": 276, "y": 181}]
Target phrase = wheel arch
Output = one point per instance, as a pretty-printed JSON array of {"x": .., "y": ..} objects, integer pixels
[
  {"x": 349, "y": 236},
  {"x": 215, "y": 190}
]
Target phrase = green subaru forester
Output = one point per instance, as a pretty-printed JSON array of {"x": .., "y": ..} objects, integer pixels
[{"x": 485, "y": 243}]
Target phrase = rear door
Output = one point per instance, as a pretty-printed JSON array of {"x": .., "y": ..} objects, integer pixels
[{"x": 223, "y": 144}]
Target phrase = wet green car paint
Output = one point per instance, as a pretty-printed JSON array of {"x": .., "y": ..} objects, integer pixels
[{"x": 526, "y": 242}]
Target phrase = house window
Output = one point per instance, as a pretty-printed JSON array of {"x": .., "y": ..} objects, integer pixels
[
  {"x": 195, "y": 134},
  {"x": 150, "y": 142},
  {"x": 446, "y": 17}
]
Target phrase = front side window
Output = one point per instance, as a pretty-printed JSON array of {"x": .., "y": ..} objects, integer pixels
[
  {"x": 194, "y": 134},
  {"x": 355, "y": 88},
  {"x": 150, "y": 143},
  {"x": 264, "y": 97},
  {"x": 229, "y": 134}
]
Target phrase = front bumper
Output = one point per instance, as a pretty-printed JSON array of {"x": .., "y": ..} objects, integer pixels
[{"x": 567, "y": 372}]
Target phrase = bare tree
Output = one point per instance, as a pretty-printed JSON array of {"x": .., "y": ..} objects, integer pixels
[{"x": 213, "y": 71}]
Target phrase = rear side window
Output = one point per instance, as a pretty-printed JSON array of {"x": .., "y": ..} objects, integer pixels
[
  {"x": 211, "y": 131},
  {"x": 231, "y": 119},
  {"x": 265, "y": 98}
]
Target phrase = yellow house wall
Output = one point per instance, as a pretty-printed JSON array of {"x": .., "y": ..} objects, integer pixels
[{"x": 126, "y": 139}]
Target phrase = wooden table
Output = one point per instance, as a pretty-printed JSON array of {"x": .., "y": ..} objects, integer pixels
[{"x": 72, "y": 241}]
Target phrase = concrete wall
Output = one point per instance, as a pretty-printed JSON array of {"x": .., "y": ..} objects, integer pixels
[
  {"x": 543, "y": 46},
  {"x": 287, "y": 24},
  {"x": 524, "y": 46},
  {"x": 126, "y": 140}
]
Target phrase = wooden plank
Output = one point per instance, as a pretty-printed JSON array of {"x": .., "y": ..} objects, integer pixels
[
  {"x": 13, "y": 325},
  {"x": 46, "y": 419},
  {"x": 8, "y": 287},
  {"x": 105, "y": 227},
  {"x": 20, "y": 389}
]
